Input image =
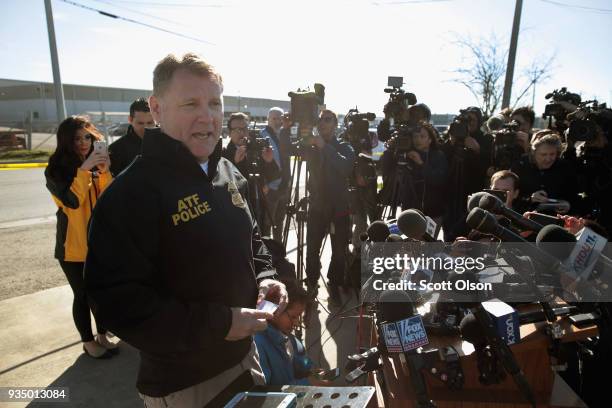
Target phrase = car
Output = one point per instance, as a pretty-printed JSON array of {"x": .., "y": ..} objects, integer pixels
[{"x": 119, "y": 129}]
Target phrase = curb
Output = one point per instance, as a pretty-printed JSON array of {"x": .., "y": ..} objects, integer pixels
[{"x": 15, "y": 166}]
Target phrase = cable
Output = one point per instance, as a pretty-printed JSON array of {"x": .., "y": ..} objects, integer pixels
[
  {"x": 104, "y": 13},
  {"x": 585, "y": 8},
  {"x": 107, "y": 2}
]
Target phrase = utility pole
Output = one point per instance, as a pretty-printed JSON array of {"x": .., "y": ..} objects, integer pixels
[
  {"x": 512, "y": 54},
  {"x": 57, "y": 81}
]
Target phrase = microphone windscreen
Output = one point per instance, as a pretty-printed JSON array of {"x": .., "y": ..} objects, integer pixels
[
  {"x": 394, "y": 238},
  {"x": 378, "y": 231},
  {"x": 412, "y": 224},
  {"x": 395, "y": 305},
  {"x": 482, "y": 221},
  {"x": 495, "y": 122},
  {"x": 490, "y": 203},
  {"x": 474, "y": 200},
  {"x": 556, "y": 241},
  {"x": 363, "y": 236},
  {"x": 472, "y": 331}
]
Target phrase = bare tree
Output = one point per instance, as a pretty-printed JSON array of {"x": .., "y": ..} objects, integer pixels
[{"x": 485, "y": 68}]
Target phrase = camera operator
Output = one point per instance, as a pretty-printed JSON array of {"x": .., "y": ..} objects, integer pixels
[
  {"x": 330, "y": 162},
  {"x": 589, "y": 150},
  {"x": 363, "y": 180},
  {"x": 524, "y": 118},
  {"x": 256, "y": 164},
  {"x": 544, "y": 176},
  {"x": 277, "y": 190},
  {"x": 468, "y": 152},
  {"x": 422, "y": 185}
]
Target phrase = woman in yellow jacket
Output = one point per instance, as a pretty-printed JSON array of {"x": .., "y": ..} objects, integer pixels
[{"x": 76, "y": 176}]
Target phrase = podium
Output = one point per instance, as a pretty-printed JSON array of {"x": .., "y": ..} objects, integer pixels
[{"x": 531, "y": 355}]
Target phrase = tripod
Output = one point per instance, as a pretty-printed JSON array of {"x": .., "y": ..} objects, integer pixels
[{"x": 402, "y": 184}]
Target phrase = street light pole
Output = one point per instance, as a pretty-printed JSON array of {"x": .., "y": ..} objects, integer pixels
[
  {"x": 57, "y": 81},
  {"x": 512, "y": 54}
]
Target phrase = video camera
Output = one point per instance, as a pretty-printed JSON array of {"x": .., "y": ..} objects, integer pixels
[
  {"x": 459, "y": 127},
  {"x": 399, "y": 100},
  {"x": 506, "y": 150},
  {"x": 555, "y": 108},
  {"x": 255, "y": 144},
  {"x": 584, "y": 121},
  {"x": 305, "y": 105},
  {"x": 358, "y": 129}
]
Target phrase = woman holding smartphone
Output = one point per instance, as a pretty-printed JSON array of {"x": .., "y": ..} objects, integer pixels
[{"x": 76, "y": 176}]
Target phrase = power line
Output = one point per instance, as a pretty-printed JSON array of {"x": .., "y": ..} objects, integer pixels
[
  {"x": 585, "y": 8},
  {"x": 129, "y": 20},
  {"x": 139, "y": 12}
]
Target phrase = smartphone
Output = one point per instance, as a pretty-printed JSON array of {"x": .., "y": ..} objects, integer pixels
[
  {"x": 267, "y": 306},
  {"x": 328, "y": 375},
  {"x": 501, "y": 194},
  {"x": 100, "y": 147}
]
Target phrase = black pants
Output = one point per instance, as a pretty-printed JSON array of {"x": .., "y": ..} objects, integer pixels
[
  {"x": 316, "y": 229},
  {"x": 80, "y": 307},
  {"x": 276, "y": 202},
  {"x": 363, "y": 206}
]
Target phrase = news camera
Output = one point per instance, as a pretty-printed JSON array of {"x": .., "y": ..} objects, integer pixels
[
  {"x": 255, "y": 145},
  {"x": 305, "y": 110},
  {"x": 459, "y": 127},
  {"x": 555, "y": 108},
  {"x": 399, "y": 100},
  {"x": 584, "y": 121},
  {"x": 357, "y": 127},
  {"x": 506, "y": 150}
]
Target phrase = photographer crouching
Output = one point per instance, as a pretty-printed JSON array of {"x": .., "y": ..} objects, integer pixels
[
  {"x": 363, "y": 180},
  {"x": 254, "y": 158},
  {"x": 330, "y": 163}
]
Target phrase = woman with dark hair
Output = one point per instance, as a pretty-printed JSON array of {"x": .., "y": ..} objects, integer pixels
[
  {"x": 424, "y": 188},
  {"x": 76, "y": 176}
]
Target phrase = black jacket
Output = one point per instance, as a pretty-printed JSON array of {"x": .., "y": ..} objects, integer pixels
[
  {"x": 124, "y": 150},
  {"x": 330, "y": 169},
  {"x": 270, "y": 171},
  {"x": 560, "y": 181},
  {"x": 171, "y": 250}
]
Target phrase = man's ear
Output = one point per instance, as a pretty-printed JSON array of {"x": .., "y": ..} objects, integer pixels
[
  {"x": 155, "y": 108},
  {"x": 515, "y": 194}
]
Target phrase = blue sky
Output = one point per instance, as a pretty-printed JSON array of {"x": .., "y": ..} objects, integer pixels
[{"x": 266, "y": 48}]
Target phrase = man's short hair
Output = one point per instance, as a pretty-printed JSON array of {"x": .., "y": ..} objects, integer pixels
[
  {"x": 236, "y": 116},
  {"x": 504, "y": 174},
  {"x": 526, "y": 112},
  {"x": 276, "y": 109},
  {"x": 139, "y": 105},
  {"x": 193, "y": 63}
]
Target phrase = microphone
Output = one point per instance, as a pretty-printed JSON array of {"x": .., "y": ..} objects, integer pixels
[
  {"x": 474, "y": 199},
  {"x": 416, "y": 225},
  {"x": 378, "y": 231},
  {"x": 485, "y": 222},
  {"x": 403, "y": 331},
  {"x": 394, "y": 238},
  {"x": 506, "y": 320},
  {"x": 493, "y": 204}
]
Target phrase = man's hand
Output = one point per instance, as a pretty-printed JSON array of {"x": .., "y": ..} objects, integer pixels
[
  {"x": 472, "y": 144},
  {"x": 318, "y": 141},
  {"x": 539, "y": 196},
  {"x": 572, "y": 224},
  {"x": 267, "y": 154},
  {"x": 275, "y": 292},
  {"x": 246, "y": 322},
  {"x": 240, "y": 153},
  {"x": 415, "y": 157},
  {"x": 522, "y": 139}
]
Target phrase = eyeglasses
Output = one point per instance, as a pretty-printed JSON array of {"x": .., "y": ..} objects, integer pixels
[
  {"x": 326, "y": 119},
  {"x": 84, "y": 138},
  {"x": 239, "y": 130}
]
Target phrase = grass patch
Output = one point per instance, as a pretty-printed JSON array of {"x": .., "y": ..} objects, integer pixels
[{"x": 24, "y": 155}]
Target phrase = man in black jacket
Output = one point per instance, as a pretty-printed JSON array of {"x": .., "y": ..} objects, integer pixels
[
  {"x": 127, "y": 147},
  {"x": 170, "y": 267},
  {"x": 330, "y": 162}
]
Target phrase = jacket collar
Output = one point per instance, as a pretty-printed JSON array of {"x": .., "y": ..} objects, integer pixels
[{"x": 161, "y": 147}]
